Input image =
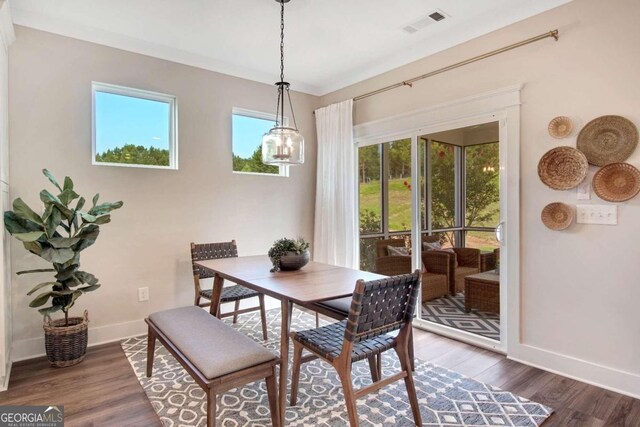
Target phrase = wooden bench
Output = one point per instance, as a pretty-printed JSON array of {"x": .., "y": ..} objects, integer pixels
[{"x": 218, "y": 357}]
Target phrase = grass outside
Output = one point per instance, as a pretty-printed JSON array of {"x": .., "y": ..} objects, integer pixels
[{"x": 400, "y": 211}]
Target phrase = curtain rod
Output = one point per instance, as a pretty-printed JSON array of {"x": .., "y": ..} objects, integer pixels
[{"x": 410, "y": 82}]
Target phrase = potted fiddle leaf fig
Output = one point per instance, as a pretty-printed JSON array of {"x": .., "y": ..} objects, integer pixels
[
  {"x": 66, "y": 227},
  {"x": 288, "y": 254}
]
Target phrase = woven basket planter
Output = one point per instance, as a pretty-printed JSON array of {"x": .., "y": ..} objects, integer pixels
[{"x": 66, "y": 345}]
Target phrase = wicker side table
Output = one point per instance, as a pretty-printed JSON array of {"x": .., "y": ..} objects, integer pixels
[{"x": 482, "y": 292}]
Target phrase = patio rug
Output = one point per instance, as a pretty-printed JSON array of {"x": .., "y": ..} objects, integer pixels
[
  {"x": 446, "y": 397},
  {"x": 449, "y": 311}
]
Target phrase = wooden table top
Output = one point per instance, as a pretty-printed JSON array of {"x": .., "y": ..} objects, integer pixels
[
  {"x": 487, "y": 276},
  {"x": 314, "y": 282}
]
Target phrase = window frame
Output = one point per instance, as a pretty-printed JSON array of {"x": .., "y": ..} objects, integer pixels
[
  {"x": 140, "y": 94},
  {"x": 283, "y": 171}
]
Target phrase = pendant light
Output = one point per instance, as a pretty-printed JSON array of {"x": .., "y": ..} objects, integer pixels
[{"x": 283, "y": 145}]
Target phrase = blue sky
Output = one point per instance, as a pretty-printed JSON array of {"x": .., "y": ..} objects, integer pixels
[
  {"x": 124, "y": 120},
  {"x": 247, "y": 134}
]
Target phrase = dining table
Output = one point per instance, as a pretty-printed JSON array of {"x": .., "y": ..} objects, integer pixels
[{"x": 314, "y": 283}]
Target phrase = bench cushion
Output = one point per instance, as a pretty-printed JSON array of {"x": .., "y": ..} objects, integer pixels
[{"x": 209, "y": 344}]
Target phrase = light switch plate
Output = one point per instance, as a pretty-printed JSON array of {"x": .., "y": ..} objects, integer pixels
[{"x": 597, "y": 214}]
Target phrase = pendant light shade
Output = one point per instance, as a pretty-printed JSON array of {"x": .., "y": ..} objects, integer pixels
[{"x": 283, "y": 145}]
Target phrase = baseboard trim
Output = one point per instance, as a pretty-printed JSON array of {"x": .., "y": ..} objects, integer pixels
[
  {"x": 5, "y": 381},
  {"x": 34, "y": 347},
  {"x": 612, "y": 379}
]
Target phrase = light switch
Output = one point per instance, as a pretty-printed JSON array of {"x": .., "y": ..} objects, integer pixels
[{"x": 597, "y": 214}]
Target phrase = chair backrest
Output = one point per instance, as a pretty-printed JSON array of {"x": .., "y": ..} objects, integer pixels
[
  {"x": 393, "y": 265},
  {"x": 204, "y": 251},
  {"x": 381, "y": 246},
  {"x": 381, "y": 306}
]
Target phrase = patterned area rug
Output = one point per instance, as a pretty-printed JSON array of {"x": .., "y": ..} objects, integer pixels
[
  {"x": 446, "y": 397},
  {"x": 450, "y": 312}
]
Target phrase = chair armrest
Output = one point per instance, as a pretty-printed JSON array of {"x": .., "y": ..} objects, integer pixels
[
  {"x": 437, "y": 261},
  {"x": 468, "y": 257},
  {"x": 393, "y": 265}
]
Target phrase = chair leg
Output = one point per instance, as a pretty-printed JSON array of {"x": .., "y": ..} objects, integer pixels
[
  {"x": 405, "y": 363},
  {"x": 412, "y": 358},
  {"x": 235, "y": 311},
  {"x": 211, "y": 408},
  {"x": 317, "y": 320},
  {"x": 219, "y": 312},
  {"x": 373, "y": 367},
  {"x": 379, "y": 365},
  {"x": 263, "y": 317},
  {"x": 151, "y": 349},
  {"x": 272, "y": 393},
  {"x": 295, "y": 375},
  {"x": 349, "y": 397},
  {"x": 197, "y": 300}
]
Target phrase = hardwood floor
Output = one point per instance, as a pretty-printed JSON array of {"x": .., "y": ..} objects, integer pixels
[{"x": 103, "y": 391}]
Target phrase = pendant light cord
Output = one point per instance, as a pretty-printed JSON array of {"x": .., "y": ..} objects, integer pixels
[{"x": 282, "y": 86}]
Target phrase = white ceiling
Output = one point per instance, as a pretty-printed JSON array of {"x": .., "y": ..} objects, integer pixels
[{"x": 330, "y": 44}]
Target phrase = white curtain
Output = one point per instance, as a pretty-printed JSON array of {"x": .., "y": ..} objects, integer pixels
[{"x": 336, "y": 222}]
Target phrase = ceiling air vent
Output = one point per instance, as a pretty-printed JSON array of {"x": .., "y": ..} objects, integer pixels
[{"x": 431, "y": 18}]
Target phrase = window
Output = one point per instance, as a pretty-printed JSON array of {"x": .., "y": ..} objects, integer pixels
[
  {"x": 248, "y": 127},
  {"x": 133, "y": 127}
]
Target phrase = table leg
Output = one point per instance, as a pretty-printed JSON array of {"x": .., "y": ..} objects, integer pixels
[
  {"x": 218, "y": 282},
  {"x": 284, "y": 357}
]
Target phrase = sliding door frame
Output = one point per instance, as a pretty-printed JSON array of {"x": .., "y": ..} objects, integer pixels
[{"x": 503, "y": 106}]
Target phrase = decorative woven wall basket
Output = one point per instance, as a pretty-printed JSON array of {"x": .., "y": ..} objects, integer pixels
[
  {"x": 617, "y": 182},
  {"x": 608, "y": 139},
  {"x": 560, "y": 127},
  {"x": 563, "y": 168},
  {"x": 557, "y": 216}
]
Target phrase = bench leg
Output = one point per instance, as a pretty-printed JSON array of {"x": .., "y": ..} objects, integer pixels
[
  {"x": 272, "y": 393},
  {"x": 211, "y": 408},
  {"x": 151, "y": 349}
]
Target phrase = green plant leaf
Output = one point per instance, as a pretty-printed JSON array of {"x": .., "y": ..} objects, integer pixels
[
  {"x": 74, "y": 297},
  {"x": 57, "y": 256},
  {"x": 63, "y": 242},
  {"x": 62, "y": 293},
  {"x": 40, "y": 299},
  {"x": 15, "y": 224},
  {"x": 89, "y": 288},
  {"x": 80, "y": 204},
  {"x": 95, "y": 199},
  {"x": 106, "y": 207},
  {"x": 50, "y": 310},
  {"x": 102, "y": 219},
  {"x": 48, "y": 198},
  {"x": 24, "y": 211},
  {"x": 68, "y": 184},
  {"x": 33, "y": 247},
  {"x": 85, "y": 277},
  {"x": 88, "y": 236},
  {"x": 53, "y": 221},
  {"x": 51, "y": 178},
  {"x": 31, "y": 236},
  {"x": 38, "y": 270},
  {"x": 67, "y": 196},
  {"x": 67, "y": 272},
  {"x": 40, "y": 286},
  {"x": 87, "y": 217}
]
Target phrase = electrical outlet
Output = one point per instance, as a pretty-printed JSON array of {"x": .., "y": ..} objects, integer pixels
[{"x": 143, "y": 294}]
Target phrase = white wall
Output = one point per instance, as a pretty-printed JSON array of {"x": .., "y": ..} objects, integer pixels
[
  {"x": 7, "y": 36},
  {"x": 579, "y": 288},
  {"x": 147, "y": 243}
]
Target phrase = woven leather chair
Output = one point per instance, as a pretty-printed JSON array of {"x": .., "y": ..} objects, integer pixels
[
  {"x": 377, "y": 308},
  {"x": 235, "y": 293},
  {"x": 462, "y": 262},
  {"x": 435, "y": 281}
]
